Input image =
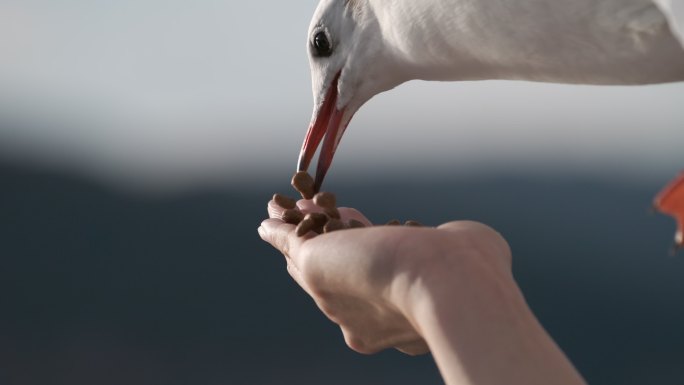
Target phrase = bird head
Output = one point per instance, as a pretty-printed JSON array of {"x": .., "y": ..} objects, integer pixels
[{"x": 350, "y": 63}]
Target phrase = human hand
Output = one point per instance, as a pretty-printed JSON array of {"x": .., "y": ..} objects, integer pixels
[{"x": 365, "y": 279}]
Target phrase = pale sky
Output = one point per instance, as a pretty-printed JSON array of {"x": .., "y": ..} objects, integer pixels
[{"x": 176, "y": 92}]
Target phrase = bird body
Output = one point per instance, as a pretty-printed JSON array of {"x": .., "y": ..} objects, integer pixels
[
  {"x": 359, "y": 48},
  {"x": 579, "y": 41}
]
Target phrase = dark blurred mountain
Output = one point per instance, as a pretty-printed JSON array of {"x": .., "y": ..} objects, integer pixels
[{"x": 99, "y": 287}]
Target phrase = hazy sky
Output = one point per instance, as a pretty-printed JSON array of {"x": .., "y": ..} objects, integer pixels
[{"x": 168, "y": 91}]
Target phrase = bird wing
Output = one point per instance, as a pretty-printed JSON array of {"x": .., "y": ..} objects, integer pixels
[{"x": 674, "y": 11}]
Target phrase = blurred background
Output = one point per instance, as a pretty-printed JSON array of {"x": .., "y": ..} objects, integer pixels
[{"x": 140, "y": 141}]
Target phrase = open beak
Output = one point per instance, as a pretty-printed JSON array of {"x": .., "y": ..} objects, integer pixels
[{"x": 328, "y": 124}]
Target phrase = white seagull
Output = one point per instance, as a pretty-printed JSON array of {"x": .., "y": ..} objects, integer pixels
[{"x": 360, "y": 48}]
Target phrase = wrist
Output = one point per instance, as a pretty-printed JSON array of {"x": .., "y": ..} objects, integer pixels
[
  {"x": 468, "y": 261},
  {"x": 465, "y": 280},
  {"x": 464, "y": 302}
]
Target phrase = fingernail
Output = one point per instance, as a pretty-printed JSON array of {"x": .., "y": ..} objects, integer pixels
[{"x": 262, "y": 232}]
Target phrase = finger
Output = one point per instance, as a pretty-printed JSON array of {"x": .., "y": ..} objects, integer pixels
[
  {"x": 307, "y": 206},
  {"x": 348, "y": 213},
  {"x": 283, "y": 237},
  {"x": 279, "y": 234},
  {"x": 275, "y": 211}
]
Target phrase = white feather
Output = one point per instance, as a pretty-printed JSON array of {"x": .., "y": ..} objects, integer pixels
[{"x": 674, "y": 11}]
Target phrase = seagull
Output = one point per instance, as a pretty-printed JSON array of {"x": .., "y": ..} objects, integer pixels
[{"x": 360, "y": 48}]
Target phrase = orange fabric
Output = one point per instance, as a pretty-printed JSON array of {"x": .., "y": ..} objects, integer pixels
[{"x": 670, "y": 201}]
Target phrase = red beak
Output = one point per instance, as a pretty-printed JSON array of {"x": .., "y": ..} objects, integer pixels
[{"x": 327, "y": 124}]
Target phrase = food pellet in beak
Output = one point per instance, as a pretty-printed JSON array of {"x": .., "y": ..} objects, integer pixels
[
  {"x": 292, "y": 216},
  {"x": 354, "y": 224},
  {"x": 284, "y": 201},
  {"x": 393, "y": 222},
  {"x": 304, "y": 227},
  {"x": 304, "y": 183},
  {"x": 333, "y": 225},
  {"x": 325, "y": 200},
  {"x": 413, "y": 224}
]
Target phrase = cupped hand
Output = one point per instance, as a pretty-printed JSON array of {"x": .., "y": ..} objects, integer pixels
[{"x": 362, "y": 278}]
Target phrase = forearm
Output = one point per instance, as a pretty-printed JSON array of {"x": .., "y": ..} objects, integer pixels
[{"x": 480, "y": 330}]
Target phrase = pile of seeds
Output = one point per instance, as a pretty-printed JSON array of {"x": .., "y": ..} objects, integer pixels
[{"x": 324, "y": 222}]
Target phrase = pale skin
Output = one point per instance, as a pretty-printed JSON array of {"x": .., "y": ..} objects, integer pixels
[{"x": 447, "y": 290}]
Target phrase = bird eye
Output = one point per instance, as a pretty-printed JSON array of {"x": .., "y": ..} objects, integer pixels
[{"x": 321, "y": 45}]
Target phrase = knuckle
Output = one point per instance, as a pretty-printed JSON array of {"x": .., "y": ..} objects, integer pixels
[
  {"x": 327, "y": 308},
  {"x": 357, "y": 344},
  {"x": 481, "y": 234},
  {"x": 494, "y": 239}
]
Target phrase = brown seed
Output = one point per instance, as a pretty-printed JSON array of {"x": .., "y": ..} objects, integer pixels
[
  {"x": 393, "y": 222},
  {"x": 332, "y": 212},
  {"x": 304, "y": 227},
  {"x": 413, "y": 224},
  {"x": 354, "y": 224},
  {"x": 319, "y": 219},
  {"x": 333, "y": 225},
  {"x": 284, "y": 201},
  {"x": 292, "y": 216},
  {"x": 304, "y": 183},
  {"x": 325, "y": 200}
]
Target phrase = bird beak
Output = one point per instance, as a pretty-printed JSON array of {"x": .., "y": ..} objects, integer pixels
[{"x": 328, "y": 124}]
